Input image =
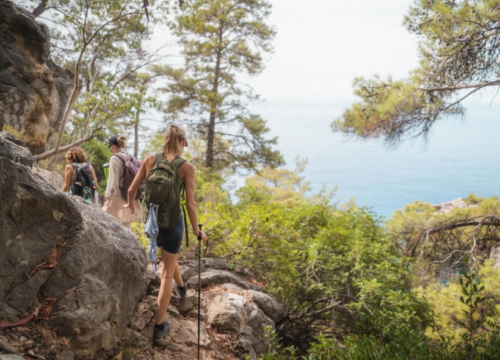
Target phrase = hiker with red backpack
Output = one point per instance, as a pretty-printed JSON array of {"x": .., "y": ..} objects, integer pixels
[
  {"x": 122, "y": 170},
  {"x": 79, "y": 176}
]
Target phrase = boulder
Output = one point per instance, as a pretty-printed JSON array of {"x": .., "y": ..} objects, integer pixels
[
  {"x": 57, "y": 246},
  {"x": 33, "y": 90},
  {"x": 268, "y": 304},
  {"x": 218, "y": 277},
  {"x": 53, "y": 178},
  {"x": 215, "y": 263},
  {"x": 226, "y": 312}
]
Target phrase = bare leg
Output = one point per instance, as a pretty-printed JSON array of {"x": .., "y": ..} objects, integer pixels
[
  {"x": 167, "y": 274},
  {"x": 177, "y": 275}
]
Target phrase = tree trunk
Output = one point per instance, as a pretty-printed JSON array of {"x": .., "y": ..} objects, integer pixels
[{"x": 213, "y": 107}]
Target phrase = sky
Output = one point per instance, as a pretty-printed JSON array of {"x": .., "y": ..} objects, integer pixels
[{"x": 322, "y": 45}]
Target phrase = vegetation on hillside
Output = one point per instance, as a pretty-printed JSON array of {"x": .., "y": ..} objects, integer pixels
[{"x": 354, "y": 287}]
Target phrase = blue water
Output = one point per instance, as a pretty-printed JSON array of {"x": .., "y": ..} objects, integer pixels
[{"x": 459, "y": 158}]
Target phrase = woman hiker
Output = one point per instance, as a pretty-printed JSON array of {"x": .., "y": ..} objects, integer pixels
[
  {"x": 114, "y": 198},
  {"x": 169, "y": 240},
  {"x": 79, "y": 176}
]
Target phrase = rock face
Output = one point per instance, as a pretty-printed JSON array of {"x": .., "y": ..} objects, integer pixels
[
  {"x": 234, "y": 313},
  {"x": 76, "y": 264},
  {"x": 15, "y": 150},
  {"x": 33, "y": 90}
]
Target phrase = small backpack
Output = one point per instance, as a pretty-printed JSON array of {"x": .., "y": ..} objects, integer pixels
[
  {"x": 132, "y": 166},
  {"x": 163, "y": 188},
  {"x": 83, "y": 184}
]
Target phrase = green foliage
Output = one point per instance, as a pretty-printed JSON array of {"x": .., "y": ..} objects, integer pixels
[
  {"x": 408, "y": 225},
  {"x": 335, "y": 270},
  {"x": 458, "y": 57},
  {"x": 478, "y": 337},
  {"x": 222, "y": 39}
]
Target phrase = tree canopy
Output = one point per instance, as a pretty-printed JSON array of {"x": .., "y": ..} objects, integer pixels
[
  {"x": 458, "y": 57},
  {"x": 222, "y": 40}
]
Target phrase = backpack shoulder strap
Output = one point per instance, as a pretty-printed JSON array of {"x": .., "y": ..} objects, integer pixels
[
  {"x": 178, "y": 161},
  {"x": 122, "y": 156},
  {"x": 159, "y": 156}
]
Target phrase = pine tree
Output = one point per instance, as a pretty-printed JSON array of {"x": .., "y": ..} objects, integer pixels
[
  {"x": 459, "y": 56},
  {"x": 221, "y": 40}
]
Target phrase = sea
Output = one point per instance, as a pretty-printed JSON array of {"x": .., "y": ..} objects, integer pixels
[{"x": 460, "y": 156}]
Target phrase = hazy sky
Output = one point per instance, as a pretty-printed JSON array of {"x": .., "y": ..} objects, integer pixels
[{"x": 323, "y": 44}]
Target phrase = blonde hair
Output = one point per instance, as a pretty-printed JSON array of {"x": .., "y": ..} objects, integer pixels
[
  {"x": 173, "y": 142},
  {"x": 76, "y": 155},
  {"x": 122, "y": 141}
]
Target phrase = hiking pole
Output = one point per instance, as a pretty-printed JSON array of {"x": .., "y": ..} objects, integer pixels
[{"x": 199, "y": 286}]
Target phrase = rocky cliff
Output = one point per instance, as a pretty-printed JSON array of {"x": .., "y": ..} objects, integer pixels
[
  {"x": 63, "y": 262},
  {"x": 33, "y": 90}
]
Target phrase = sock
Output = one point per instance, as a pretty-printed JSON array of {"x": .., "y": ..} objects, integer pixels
[
  {"x": 160, "y": 327},
  {"x": 181, "y": 287}
]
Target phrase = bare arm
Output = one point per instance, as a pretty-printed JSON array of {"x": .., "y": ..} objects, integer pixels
[
  {"x": 189, "y": 179},
  {"x": 68, "y": 172}
]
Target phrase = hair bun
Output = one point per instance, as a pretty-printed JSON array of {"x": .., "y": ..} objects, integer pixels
[{"x": 122, "y": 141}]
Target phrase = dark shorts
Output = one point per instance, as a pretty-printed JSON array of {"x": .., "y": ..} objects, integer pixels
[{"x": 171, "y": 239}]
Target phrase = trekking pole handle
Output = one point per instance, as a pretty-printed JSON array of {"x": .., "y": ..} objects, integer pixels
[{"x": 199, "y": 234}]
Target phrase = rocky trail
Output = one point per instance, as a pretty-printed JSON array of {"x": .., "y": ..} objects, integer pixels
[
  {"x": 74, "y": 283},
  {"x": 234, "y": 312}
]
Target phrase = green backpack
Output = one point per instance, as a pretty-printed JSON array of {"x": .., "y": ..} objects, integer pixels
[{"x": 164, "y": 188}]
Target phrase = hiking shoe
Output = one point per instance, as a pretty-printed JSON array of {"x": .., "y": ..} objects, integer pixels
[
  {"x": 182, "y": 291},
  {"x": 158, "y": 334}
]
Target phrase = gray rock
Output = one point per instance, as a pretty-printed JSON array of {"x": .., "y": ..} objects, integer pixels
[
  {"x": 8, "y": 312},
  {"x": 10, "y": 357},
  {"x": 172, "y": 310},
  {"x": 232, "y": 287},
  {"x": 141, "y": 317},
  {"x": 268, "y": 304},
  {"x": 67, "y": 355},
  {"x": 33, "y": 90},
  {"x": 186, "y": 272},
  {"x": 257, "y": 320},
  {"x": 245, "y": 346},
  {"x": 445, "y": 207},
  {"x": 14, "y": 149},
  {"x": 226, "y": 312},
  {"x": 53, "y": 178},
  {"x": 185, "y": 332},
  {"x": 24, "y": 296},
  {"x": 243, "y": 271},
  {"x": 214, "y": 263},
  {"x": 193, "y": 264},
  {"x": 101, "y": 267},
  {"x": 217, "y": 277}
]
